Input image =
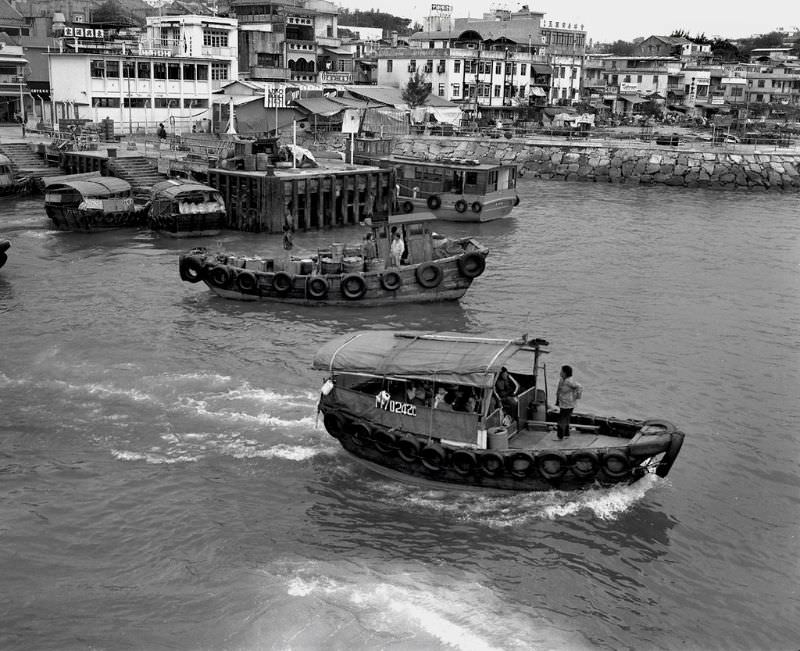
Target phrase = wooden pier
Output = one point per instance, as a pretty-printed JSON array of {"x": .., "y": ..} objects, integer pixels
[{"x": 316, "y": 198}]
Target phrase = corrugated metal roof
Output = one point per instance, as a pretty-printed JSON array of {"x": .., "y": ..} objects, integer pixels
[
  {"x": 320, "y": 106},
  {"x": 9, "y": 15}
]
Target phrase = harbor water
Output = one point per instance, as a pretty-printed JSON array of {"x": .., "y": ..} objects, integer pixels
[{"x": 165, "y": 482}]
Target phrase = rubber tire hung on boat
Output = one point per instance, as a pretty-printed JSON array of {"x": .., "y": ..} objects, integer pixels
[
  {"x": 218, "y": 276},
  {"x": 520, "y": 464},
  {"x": 464, "y": 462},
  {"x": 476, "y": 206},
  {"x": 334, "y": 424},
  {"x": 191, "y": 270},
  {"x": 282, "y": 283},
  {"x": 360, "y": 433},
  {"x": 615, "y": 464},
  {"x": 491, "y": 463},
  {"x": 353, "y": 286},
  {"x": 385, "y": 441},
  {"x": 429, "y": 274},
  {"x": 461, "y": 205},
  {"x": 544, "y": 463},
  {"x": 433, "y": 457},
  {"x": 408, "y": 448},
  {"x": 391, "y": 281},
  {"x": 434, "y": 202},
  {"x": 408, "y": 207},
  {"x": 579, "y": 462},
  {"x": 246, "y": 281},
  {"x": 516, "y": 201},
  {"x": 471, "y": 264},
  {"x": 317, "y": 287}
]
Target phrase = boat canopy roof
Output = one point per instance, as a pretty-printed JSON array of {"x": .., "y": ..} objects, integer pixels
[
  {"x": 446, "y": 357},
  {"x": 5, "y": 160},
  {"x": 172, "y": 188},
  {"x": 99, "y": 186}
]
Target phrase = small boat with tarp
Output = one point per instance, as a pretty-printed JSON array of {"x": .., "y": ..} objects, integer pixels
[
  {"x": 92, "y": 203},
  {"x": 424, "y": 406},
  {"x": 181, "y": 208},
  {"x": 10, "y": 182},
  {"x": 436, "y": 269}
]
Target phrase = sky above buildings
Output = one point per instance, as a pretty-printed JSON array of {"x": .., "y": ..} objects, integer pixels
[{"x": 625, "y": 19}]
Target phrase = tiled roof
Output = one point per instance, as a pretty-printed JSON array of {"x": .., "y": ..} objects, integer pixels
[{"x": 10, "y": 16}]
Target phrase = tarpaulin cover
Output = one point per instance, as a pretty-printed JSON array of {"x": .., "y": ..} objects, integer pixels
[{"x": 448, "y": 357}]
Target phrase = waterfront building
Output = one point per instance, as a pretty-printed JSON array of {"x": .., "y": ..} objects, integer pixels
[
  {"x": 13, "y": 86},
  {"x": 565, "y": 45},
  {"x": 168, "y": 75},
  {"x": 292, "y": 40},
  {"x": 679, "y": 47}
]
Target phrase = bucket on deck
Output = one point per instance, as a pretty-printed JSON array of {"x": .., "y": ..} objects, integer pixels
[
  {"x": 337, "y": 251},
  {"x": 262, "y": 161},
  {"x": 497, "y": 438},
  {"x": 328, "y": 266}
]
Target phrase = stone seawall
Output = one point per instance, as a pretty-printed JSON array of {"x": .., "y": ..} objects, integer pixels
[{"x": 609, "y": 163}]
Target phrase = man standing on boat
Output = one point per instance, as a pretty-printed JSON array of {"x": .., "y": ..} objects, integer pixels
[
  {"x": 567, "y": 396},
  {"x": 398, "y": 247}
]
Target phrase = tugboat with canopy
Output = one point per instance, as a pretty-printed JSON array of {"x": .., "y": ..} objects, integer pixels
[
  {"x": 181, "y": 208},
  {"x": 424, "y": 406},
  {"x": 436, "y": 269}
]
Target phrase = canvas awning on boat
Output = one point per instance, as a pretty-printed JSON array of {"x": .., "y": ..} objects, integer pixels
[
  {"x": 447, "y": 357},
  {"x": 173, "y": 188},
  {"x": 101, "y": 186}
]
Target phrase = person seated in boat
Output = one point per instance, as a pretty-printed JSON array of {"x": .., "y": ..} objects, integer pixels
[
  {"x": 415, "y": 394},
  {"x": 443, "y": 399},
  {"x": 507, "y": 388}
]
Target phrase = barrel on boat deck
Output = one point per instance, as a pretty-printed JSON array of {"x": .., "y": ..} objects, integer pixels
[
  {"x": 352, "y": 263},
  {"x": 497, "y": 438},
  {"x": 375, "y": 264},
  {"x": 306, "y": 266},
  {"x": 337, "y": 251}
]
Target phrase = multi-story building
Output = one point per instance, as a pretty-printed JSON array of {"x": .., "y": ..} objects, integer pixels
[
  {"x": 565, "y": 45},
  {"x": 495, "y": 66},
  {"x": 679, "y": 47},
  {"x": 747, "y": 85},
  {"x": 293, "y": 40},
  {"x": 167, "y": 76},
  {"x": 13, "y": 87}
]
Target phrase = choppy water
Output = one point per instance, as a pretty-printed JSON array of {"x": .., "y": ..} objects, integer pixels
[{"x": 164, "y": 483}]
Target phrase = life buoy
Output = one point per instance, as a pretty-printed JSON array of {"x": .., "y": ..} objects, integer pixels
[
  {"x": 246, "y": 281},
  {"x": 385, "y": 441},
  {"x": 408, "y": 207},
  {"x": 434, "y": 202},
  {"x": 491, "y": 464},
  {"x": 464, "y": 462},
  {"x": 353, "y": 286},
  {"x": 551, "y": 465},
  {"x": 433, "y": 457},
  {"x": 191, "y": 270},
  {"x": 584, "y": 464},
  {"x": 282, "y": 282},
  {"x": 359, "y": 433},
  {"x": 471, "y": 264},
  {"x": 429, "y": 274},
  {"x": 334, "y": 424},
  {"x": 218, "y": 276},
  {"x": 408, "y": 448},
  {"x": 317, "y": 287},
  {"x": 520, "y": 464},
  {"x": 516, "y": 201},
  {"x": 476, "y": 206},
  {"x": 615, "y": 464},
  {"x": 391, "y": 281},
  {"x": 461, "y": 205}
]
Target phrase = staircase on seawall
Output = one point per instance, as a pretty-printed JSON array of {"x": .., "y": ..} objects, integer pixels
[
  {"x": 27, "y": 162},
  {"x": 138, "y": 171}
]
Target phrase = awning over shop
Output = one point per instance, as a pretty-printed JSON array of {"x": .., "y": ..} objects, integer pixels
[
  {"x": 632, "y": 99},
  {"x": 319, "y": 106},
  {"x": 542, "y": 69},
  {"x": 339, "y": 51},
  {"x": 538, "y": 92}
]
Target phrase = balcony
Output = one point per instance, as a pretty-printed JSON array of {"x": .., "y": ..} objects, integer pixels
[{"x": 218, "y": 52}]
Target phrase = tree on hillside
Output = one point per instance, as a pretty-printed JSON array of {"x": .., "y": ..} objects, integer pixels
[
  {"x": 114, "y": 13},
  {"x": 417, "y": 90},
  {"x": 372, "y": 18},
  {"x": 620, "y": 48}
]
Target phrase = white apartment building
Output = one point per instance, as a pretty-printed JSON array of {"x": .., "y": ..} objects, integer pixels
[{"x": 167, "y": 77}]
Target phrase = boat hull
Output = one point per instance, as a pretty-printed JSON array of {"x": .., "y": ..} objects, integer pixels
[
  {"x": 66, "y": 218},
  {"x": 444, "y": 279},
  {"x": 463, "y": 208},
  {"x": 189, "y": 225},
  {"x": 550, "y": 465}
]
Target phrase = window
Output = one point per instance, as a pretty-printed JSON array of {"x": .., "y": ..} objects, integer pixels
[
  {"x": 441, "y": 90},
  {"x": 219, "y": 70},
  {"x": 759, "y": 97},
  {"x": 143, "y": 70},
  {"x": 429, "y": 65},
  {"x": 389, "y": 65},
  {"x": 112, "y": 69},
  {"x": 128, "y": 69},
  {"x": 166, "y": 102},
  {"x": 431, "y": 44},
  {"x": 202, "y": 72},
  {"x": 412, "y": 66},
  {"x": 98, "y": 69},
  {"x": 523, "y": 69},
  {"x": 215, "y": 38},
  {"x": 497, "y": 90},
  {"x": 159, "y": 70},
  {"x": 135, "y": 102},
  {"x": 174, "y": 71},
  {"x": 639, "y": 78},
  {"x": 106, "y": 102},
  {"x": 188, "y": 71},
  {"x": 195, "y": 103},
  {"x": 498, "y": 68},
  {"x": 737, "y": 91},
  {"x": 626, "y": 79},
  {"x": 655, "y": 80},
  {"x": 760, "y": 85},
  {"x": 456, "y": 88},
  {"x": 456, "y": 66}
]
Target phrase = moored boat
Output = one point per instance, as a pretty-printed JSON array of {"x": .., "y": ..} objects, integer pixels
[
  {"x": 436, "y": 269},
  {"x": 455, "y": 189},
  {"x": 4, "y": 246},
  {"x": 377, "y": 401},
  {"x": 181, "y": 208},
  {"x": 92, "y": 203},
  {"x": 10, "y": 183}
]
